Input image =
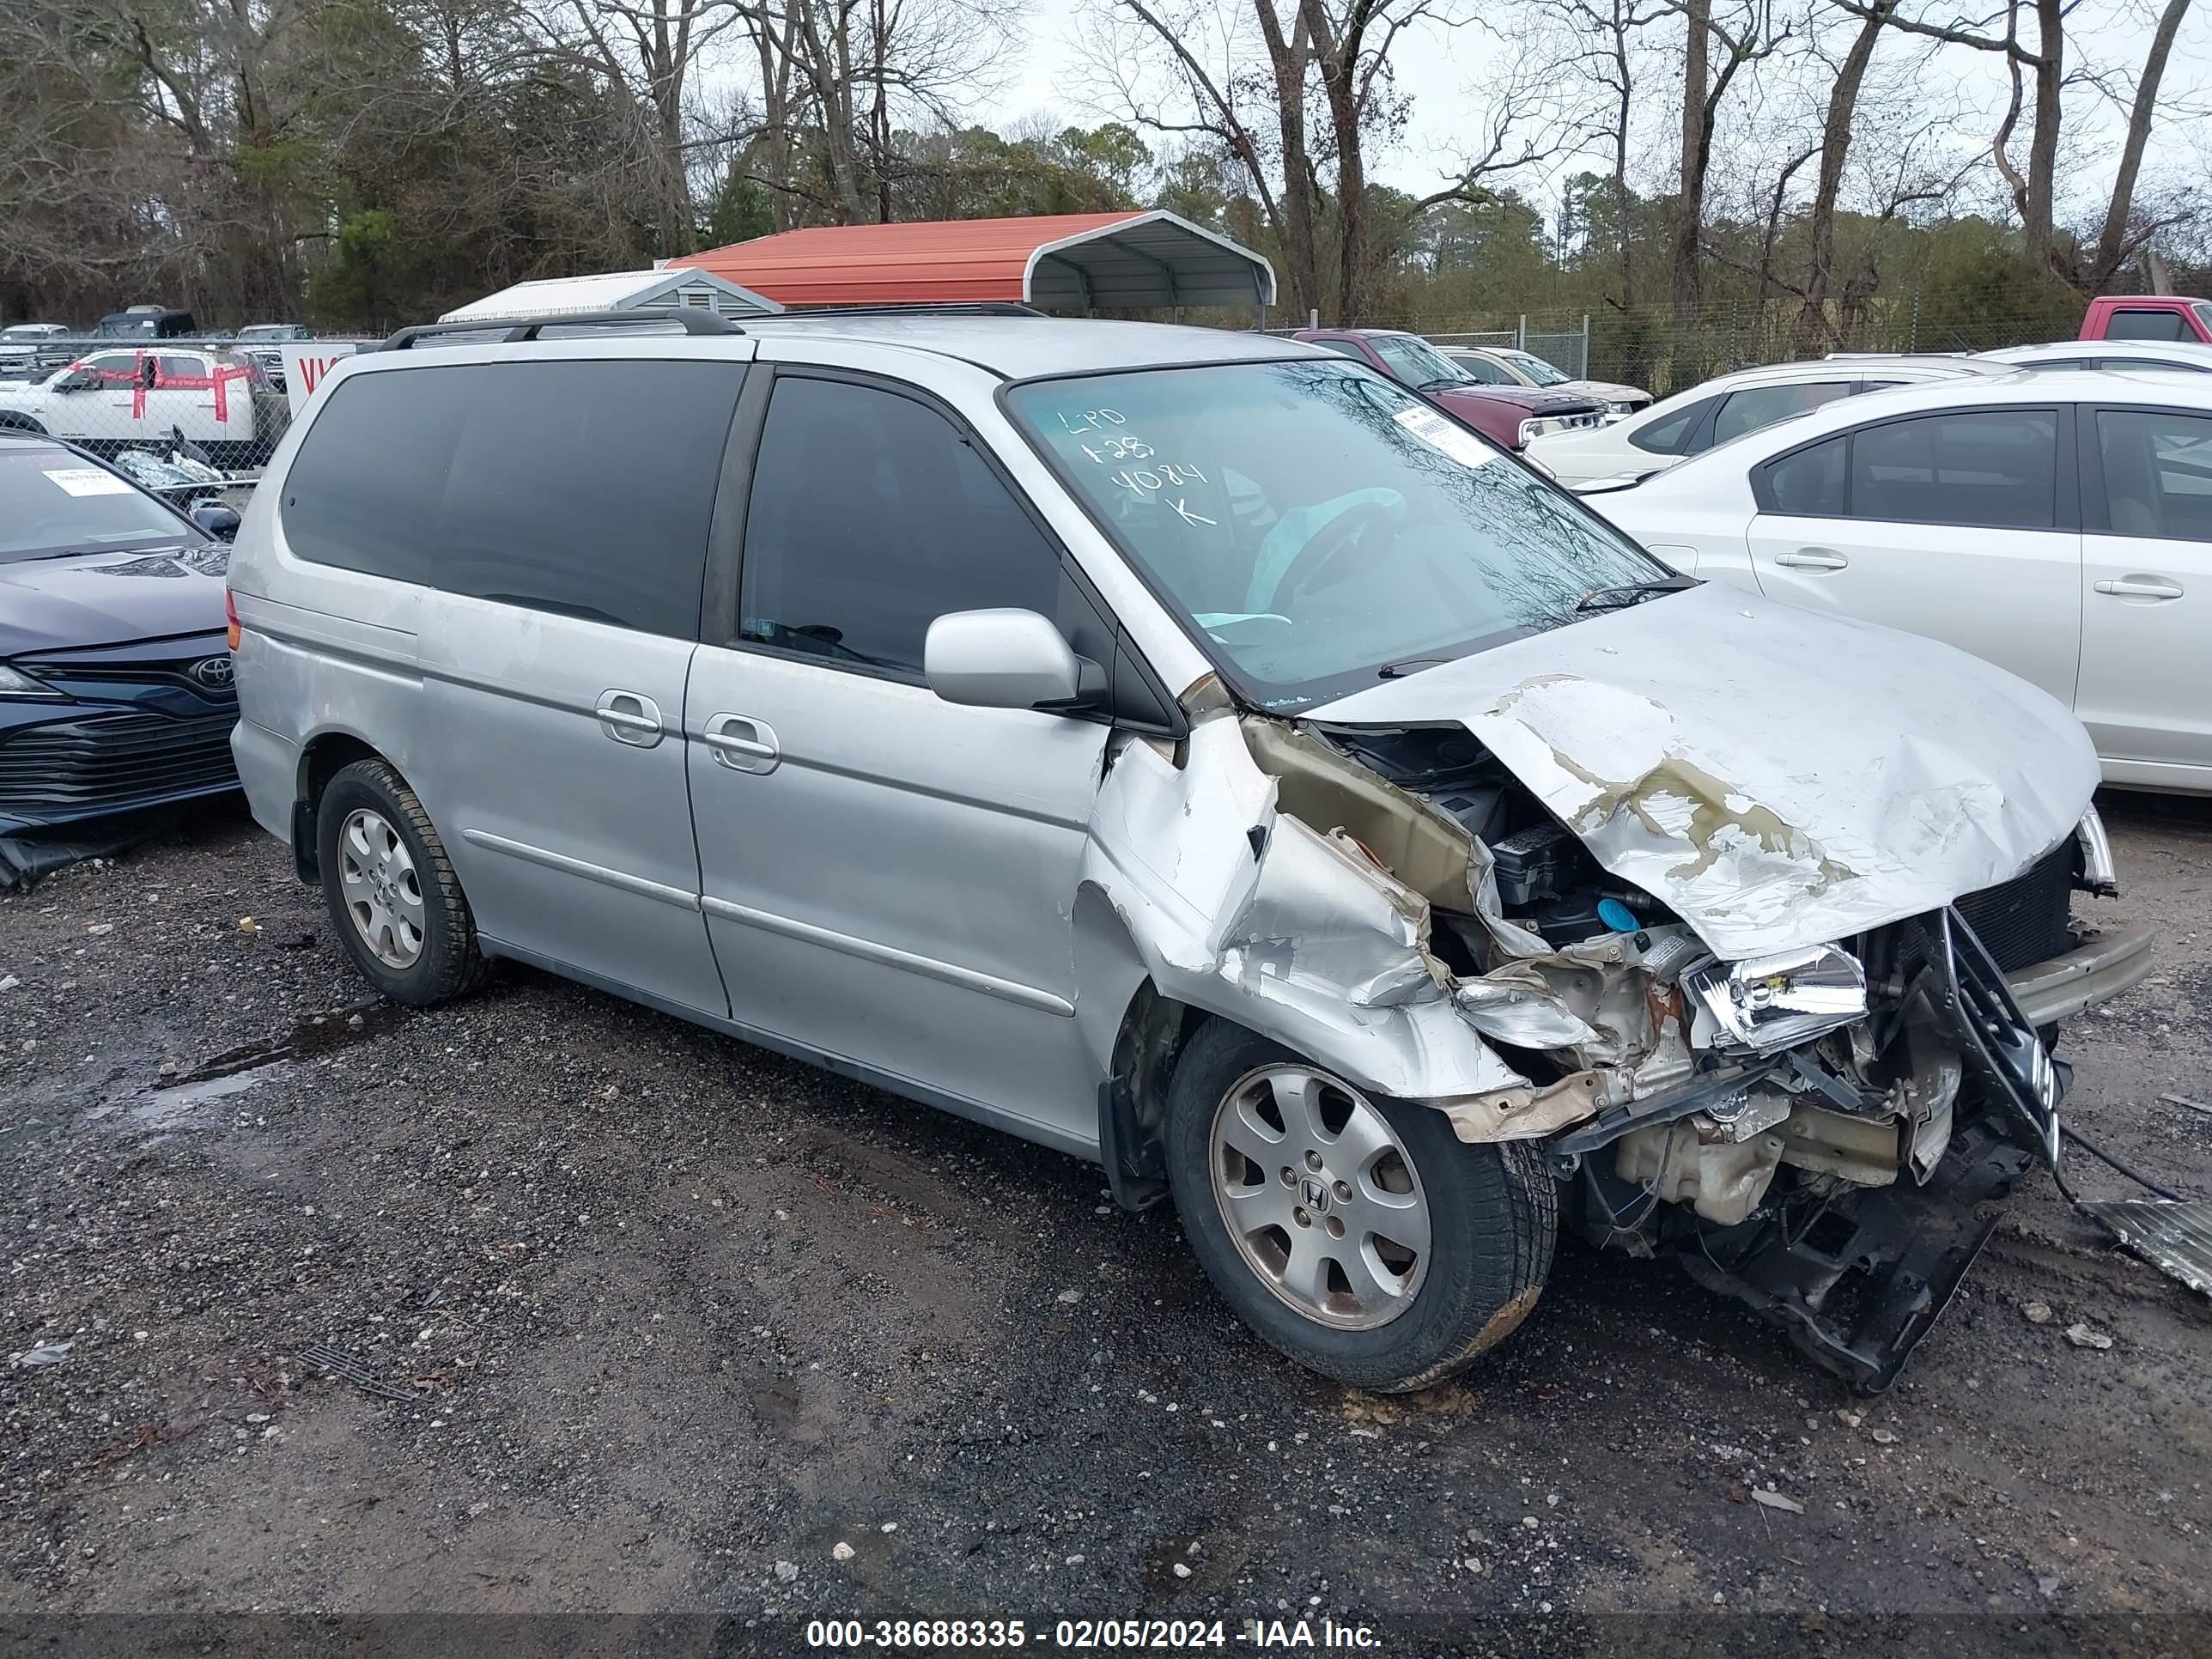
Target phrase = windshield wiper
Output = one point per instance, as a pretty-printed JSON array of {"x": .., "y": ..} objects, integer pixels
[
  {"x": 1405, "y": 665},
  {"x": 1627, "y": 593}
]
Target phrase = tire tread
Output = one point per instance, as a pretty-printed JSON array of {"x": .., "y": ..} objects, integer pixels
[{"x": 465, "y": 968}]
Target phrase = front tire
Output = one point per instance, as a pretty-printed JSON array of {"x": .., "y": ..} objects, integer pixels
[
  {"x": 391, "y": 892},
  {"x": 1355, "y": 1233}
]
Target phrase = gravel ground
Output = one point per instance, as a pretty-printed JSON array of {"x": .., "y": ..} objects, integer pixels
[{"x": 644, "y": 1319}]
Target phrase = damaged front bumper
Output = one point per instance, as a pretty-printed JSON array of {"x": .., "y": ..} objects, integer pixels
[{"x": 2097, "y": 969}]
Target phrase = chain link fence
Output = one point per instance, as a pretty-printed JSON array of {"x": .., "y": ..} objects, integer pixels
[{"x": 208, "y": 401}]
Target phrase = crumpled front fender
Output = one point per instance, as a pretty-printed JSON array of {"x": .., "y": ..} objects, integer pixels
[{"x": 1247, "y": 913}]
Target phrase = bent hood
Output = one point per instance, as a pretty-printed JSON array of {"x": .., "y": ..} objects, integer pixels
[
  {"x": 1776, "y": 777},
  {"x": 110, "y": 598}
]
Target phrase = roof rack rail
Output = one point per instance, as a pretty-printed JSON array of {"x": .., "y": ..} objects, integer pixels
[
  {"x": 689, "y": 319},
  {"x": 920, "y": 309}
]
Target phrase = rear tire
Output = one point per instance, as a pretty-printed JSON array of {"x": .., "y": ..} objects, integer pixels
[
  {"x": 393, "y": 894},
  {"x": 1430, "y": 1251}
]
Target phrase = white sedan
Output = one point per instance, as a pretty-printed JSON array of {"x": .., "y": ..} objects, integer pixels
[
  {"x": 2057, "y": 524},
  {"x": 1689, "y": 422},
  {"x": 2106, "y": 354}
]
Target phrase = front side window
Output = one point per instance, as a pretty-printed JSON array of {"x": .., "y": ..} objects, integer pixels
[
  {"x": 1416, "y": 362},
  {"x": 2146, "y": 326},
  {"x": 1996, "y": 466},
  {"x": 1757, "y": 406},
  {"x": 2158, "y": 473},
  {"x": 581, "y": 487},
  {"x": 1316, "y": 525},
  {"x": 870, "y": 517}
]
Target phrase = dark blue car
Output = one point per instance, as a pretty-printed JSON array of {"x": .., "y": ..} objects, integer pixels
[{"x": 115, "y": 678}]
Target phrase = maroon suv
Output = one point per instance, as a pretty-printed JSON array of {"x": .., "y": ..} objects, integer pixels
[{"x": 1509, "y": 415}]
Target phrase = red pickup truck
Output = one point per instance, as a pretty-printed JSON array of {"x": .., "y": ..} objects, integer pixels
[{"x": 2149, "y": 316}]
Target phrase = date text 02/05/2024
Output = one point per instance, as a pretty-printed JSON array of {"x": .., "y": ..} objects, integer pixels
[{"x": 1082, "y": 1635}]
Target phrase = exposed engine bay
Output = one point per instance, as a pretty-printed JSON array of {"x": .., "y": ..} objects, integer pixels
[{"x": 1816, "y": 1131}]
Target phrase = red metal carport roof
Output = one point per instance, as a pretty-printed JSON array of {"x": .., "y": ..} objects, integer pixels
[{"x": 1070, "y": 259}]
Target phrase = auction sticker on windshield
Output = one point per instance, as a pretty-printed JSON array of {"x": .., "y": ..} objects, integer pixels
[
  {"x": 87, "y": 480},
  {"x": 1439, "y": 433}
]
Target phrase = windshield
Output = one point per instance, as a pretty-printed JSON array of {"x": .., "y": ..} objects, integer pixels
[
  {"x": 53, "y": 502},
  {"x": 1417, "y": 362},
  {"x": 1536, "y": 368},
  {"x": 1318, "y": 525}
]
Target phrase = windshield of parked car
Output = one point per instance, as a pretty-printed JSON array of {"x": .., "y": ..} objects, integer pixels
[
  {"x": 1536, "y": 367},
  {"x": 1317, "y": 526},
  {"x": 1417, "y": 362},
  {"x": 53, "y": 502}
]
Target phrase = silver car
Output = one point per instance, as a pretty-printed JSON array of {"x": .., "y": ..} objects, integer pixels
[{"x": 1191, "y": 751}]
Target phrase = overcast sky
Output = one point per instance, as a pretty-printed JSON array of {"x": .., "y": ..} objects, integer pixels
[{"x": 1437, "y": 67}]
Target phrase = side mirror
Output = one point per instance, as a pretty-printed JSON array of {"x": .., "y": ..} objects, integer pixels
[
  {"x": 218, "y": 520},
  {"x": 1000, "y": 659}
]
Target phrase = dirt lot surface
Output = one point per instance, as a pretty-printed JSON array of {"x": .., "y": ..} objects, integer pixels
[{"x": 639, "y": 1318}]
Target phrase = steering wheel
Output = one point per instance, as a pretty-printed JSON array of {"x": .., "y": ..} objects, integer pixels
[{"x": 1331, "y": 544}]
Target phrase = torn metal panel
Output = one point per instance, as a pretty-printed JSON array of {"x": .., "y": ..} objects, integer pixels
[
  {"x": 1525, "y": 1114},
  {"x": 1240, "y": 909},
  {"x": 1322, "y": 913},
  {"x": 2176, "y": 1238},
  {"x": 1516, "y": 1004},
  {"x": 1674, "y": 738}
]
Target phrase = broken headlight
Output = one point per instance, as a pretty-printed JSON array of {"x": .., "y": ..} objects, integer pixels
[{"x": 1769, "y": 1003}]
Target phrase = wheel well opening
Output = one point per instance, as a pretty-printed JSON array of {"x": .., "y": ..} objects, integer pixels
[
  {"x": 325, "y": 758},
  {"x": 1132, "y": 1109}
]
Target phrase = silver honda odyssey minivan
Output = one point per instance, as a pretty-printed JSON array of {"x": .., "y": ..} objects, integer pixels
[{"x": 1194, "y": 752}]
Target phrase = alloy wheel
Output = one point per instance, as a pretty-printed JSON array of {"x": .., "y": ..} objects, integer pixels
[
  {"x": 1320, "y": 1196},
  {"x": 383, "y": 894}
]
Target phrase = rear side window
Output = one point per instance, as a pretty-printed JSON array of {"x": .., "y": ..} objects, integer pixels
[
  {"x": 2146, "y": 326},
  {"x": 1989, "y": 467},
  {"x": 1757, "y": 406},
  {"x": 1808, "y": 484},
  {"x": 2155, "y": 362},
  {"x": 2158, "y": 473},
  {"x": 1483, "y": 370},
  {"x": 872, "y": 517},
  {"x": 1669, "y": 433},
  {"x": 581, "y": 489}
]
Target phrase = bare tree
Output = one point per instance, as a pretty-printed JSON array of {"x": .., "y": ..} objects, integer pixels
[
  {"x": 1747, "y": 32},
  {"x": 2045, "y": 65},
  {"x": 1835, "y": 149},
  {"x": 2120, "y": 240}
]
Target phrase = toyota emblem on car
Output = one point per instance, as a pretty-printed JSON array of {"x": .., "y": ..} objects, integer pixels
[{"x": 214, "y": 672}]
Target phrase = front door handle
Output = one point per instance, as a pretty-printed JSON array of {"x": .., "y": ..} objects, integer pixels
[
  {"x": 2142, "y": 587},
  {"x": 742, "y": 742},
  {"x": 630, "y": 717},
  {"x": 1812, "y": 558}
]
